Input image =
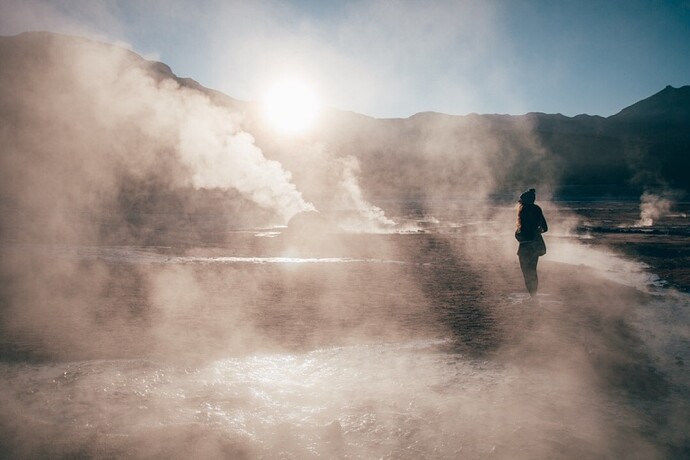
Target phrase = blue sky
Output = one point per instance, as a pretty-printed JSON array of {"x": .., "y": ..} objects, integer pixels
[{"x": 397, "y": 58}]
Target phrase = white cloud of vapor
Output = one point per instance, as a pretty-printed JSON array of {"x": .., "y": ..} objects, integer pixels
[
  {"x": 652, "y": 207},
  {"x": 366, "y": 217},
  {"x": 206, "y": 137}
]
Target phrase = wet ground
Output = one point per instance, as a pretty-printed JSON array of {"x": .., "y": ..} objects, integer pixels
[{"x": 404, "y": 345}]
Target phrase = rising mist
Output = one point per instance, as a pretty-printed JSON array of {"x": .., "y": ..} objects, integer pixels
[{"x": 155, "y": 305}]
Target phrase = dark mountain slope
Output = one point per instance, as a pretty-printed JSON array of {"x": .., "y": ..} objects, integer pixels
[
  {"x": 120, "y": 168},
  {"x": 670, "y": 105}
]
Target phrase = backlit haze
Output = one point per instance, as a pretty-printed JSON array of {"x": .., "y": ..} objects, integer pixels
[
  {"x": 255, "y": 230},
  {"x": 393, "y": 59}
]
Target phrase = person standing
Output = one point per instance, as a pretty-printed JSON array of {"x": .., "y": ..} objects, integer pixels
[{"x": 530, "y": 225}]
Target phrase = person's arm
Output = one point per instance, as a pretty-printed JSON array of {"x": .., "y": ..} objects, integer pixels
[{"x": 544, "y": 226}]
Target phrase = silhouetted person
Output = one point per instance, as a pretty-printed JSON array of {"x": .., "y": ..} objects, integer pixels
[{"x": 530, "y": 225}]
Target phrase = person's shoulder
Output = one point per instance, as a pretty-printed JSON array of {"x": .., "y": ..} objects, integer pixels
[{"x": 539, "y": 211}]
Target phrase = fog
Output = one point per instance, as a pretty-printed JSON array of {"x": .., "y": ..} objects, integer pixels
[{"x": 176, "y": 281}]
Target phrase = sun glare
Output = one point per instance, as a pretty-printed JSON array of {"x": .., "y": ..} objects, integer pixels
[{"x": 290, "y": 106}]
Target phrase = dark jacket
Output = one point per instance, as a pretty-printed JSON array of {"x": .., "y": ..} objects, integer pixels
[{"x": 531, "y": 223}]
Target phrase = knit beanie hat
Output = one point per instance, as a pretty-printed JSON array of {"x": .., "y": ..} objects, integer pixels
[{"x": 528, "y": 197}]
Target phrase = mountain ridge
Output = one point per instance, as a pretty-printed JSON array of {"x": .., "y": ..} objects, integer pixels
[
  {"x": 424, "y": 158},
  {"x": 656, "y": 104}
]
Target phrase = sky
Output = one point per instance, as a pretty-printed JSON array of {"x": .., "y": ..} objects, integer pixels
[{"x": 392, "y": 59}]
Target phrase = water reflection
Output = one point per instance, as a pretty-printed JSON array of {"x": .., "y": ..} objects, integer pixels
[
  {"x": 363, "y": 401},
  {"x": 407, "y": 346}
]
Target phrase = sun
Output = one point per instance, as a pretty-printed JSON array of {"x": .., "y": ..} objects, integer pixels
[{"x": 290, "y": 106}]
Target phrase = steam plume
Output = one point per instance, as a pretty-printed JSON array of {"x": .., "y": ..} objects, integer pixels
[
  {"x": 652, "y": 207},
  {"x": 366, "y": 216},
  {"x": 130, "y": 118},
  {"x": 219, "y": 154}
]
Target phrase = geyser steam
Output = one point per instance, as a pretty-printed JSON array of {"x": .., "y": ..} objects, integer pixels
[
  {"x": 366, "y": 216},
  {"x": 116, "y": 116},
  {"x": 210, "y": 142},
  {"x": 652, "y": 207}
]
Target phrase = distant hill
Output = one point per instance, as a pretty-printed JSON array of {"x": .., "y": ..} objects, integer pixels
[
  {"x": 670, "y": 105},
  {"x": 88, "y": 129},
  {"x": 429, "y": 155},
  {"x": 644, "y": 146}
]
